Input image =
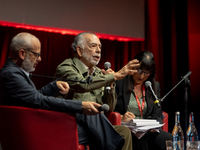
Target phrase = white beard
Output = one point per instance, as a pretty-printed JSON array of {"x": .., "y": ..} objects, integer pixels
[
  {"x": 27, "y": 65},
  {"x": 93, "y": 62}
]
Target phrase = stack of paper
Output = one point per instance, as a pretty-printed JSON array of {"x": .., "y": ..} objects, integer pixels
[{"x": 141, "y": 126}]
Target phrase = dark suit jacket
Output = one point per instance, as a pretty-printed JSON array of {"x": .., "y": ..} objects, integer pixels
[
  {"x": 123, "y": 98},
  {"x": 17, "y": 89}
]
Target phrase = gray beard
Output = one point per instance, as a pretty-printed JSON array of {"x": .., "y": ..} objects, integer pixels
[
  {"x": 93, "y": 62},
  {"x": 27, "y": 65}
]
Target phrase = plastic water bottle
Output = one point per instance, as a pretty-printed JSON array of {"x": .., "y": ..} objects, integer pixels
[
  {"x": 177, "y": 133},
  {"x": 192, "y": 135}
]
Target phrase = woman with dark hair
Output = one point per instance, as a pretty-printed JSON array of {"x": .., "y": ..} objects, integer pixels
[{"x": 135, "y": 101}]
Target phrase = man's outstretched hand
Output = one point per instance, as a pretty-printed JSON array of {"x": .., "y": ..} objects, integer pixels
[{"x": 128, "y": 69}]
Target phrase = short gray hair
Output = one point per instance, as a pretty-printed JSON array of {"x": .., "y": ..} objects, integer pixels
[
  {"x": 21, "y": 41},
  {"x": 80, "y": 41}
]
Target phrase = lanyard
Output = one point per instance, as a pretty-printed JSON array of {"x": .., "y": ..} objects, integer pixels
[{"x": 143, "y": 101}]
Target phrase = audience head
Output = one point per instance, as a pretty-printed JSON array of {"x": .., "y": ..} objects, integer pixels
[
  {"x": 87, "y": 47},
  {"x": 25, "y": 49}
]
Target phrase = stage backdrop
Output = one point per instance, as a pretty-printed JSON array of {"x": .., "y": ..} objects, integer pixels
[
  {"x": 173, "y": 34},
  {"x": 113, "y": 17}
]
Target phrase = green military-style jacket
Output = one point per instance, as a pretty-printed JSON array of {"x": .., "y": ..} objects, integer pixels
[{"x": 74, "y": 69}]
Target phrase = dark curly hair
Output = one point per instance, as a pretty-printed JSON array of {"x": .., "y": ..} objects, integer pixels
[{"x": 147, "y": 63}]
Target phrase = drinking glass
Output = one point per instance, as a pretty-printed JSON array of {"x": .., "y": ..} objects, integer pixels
[
  {"x": 192, "y": 145},
  {"x": 168, "y": 145}
]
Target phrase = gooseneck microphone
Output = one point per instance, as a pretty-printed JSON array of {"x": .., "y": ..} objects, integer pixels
[
  {"x": 148, "y": 84},
  {"x": 88, "y": 80},
  {"x": 104, "y": 107},
  {"x": 107, "y": 65}
]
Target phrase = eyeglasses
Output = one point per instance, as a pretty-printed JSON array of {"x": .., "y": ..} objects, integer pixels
[
  {"x": 146, "y": 73},
  {"x": 37, "y": 55}
]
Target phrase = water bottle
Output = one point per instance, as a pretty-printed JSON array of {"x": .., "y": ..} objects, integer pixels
[
  {"x": 192, "y": 135},
  {"x": 177, "y": 133}
]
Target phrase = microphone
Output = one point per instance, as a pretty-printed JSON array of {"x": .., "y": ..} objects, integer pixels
[
  {"x": 148, "y": 84},
  {"x": 107, "y": 65},
  {"x": 104, "y": 107},
  {"x": 88, "y": 80},
  {"x": 188, "y": 74}
]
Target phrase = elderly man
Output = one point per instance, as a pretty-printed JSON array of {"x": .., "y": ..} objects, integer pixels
[
  {"x": 87, "y": 50},
  {"x": 17, "y": 89}
]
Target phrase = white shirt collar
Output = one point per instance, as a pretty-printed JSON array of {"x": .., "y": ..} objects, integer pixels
[
  {"x": 87, "y": 68},
  {"x": 24, "y": 71}
]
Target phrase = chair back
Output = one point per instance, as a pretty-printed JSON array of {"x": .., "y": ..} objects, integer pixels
[
  {"x": 165, "y": 121},
  {"x": 24, "y": 128}
]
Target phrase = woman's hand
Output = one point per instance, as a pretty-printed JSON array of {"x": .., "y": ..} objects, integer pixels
[{"x": 127, "y": 116}]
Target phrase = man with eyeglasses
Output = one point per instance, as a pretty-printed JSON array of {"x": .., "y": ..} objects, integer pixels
[
  {"x": 30, "y": 64},
  {"x": 17, "y": 89},
  {"x": 87, "y": 50}
]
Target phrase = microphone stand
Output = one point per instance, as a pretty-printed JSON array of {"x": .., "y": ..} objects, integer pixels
[
  {"x": 187, "y": 84},
  {"x": 183, "y": 78},
  {"x": 88, "y": 80}
]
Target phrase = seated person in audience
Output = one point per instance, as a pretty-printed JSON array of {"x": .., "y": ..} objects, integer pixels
[
  {"x": 17, "y": 89},
  {"x": 87, "y": 50},
  {"x": 136, "y": 101}
]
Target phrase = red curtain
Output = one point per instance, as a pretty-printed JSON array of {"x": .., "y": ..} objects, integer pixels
[
  {"x": 57, "y": 47},
  {"x": 172, "y": 31}
]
